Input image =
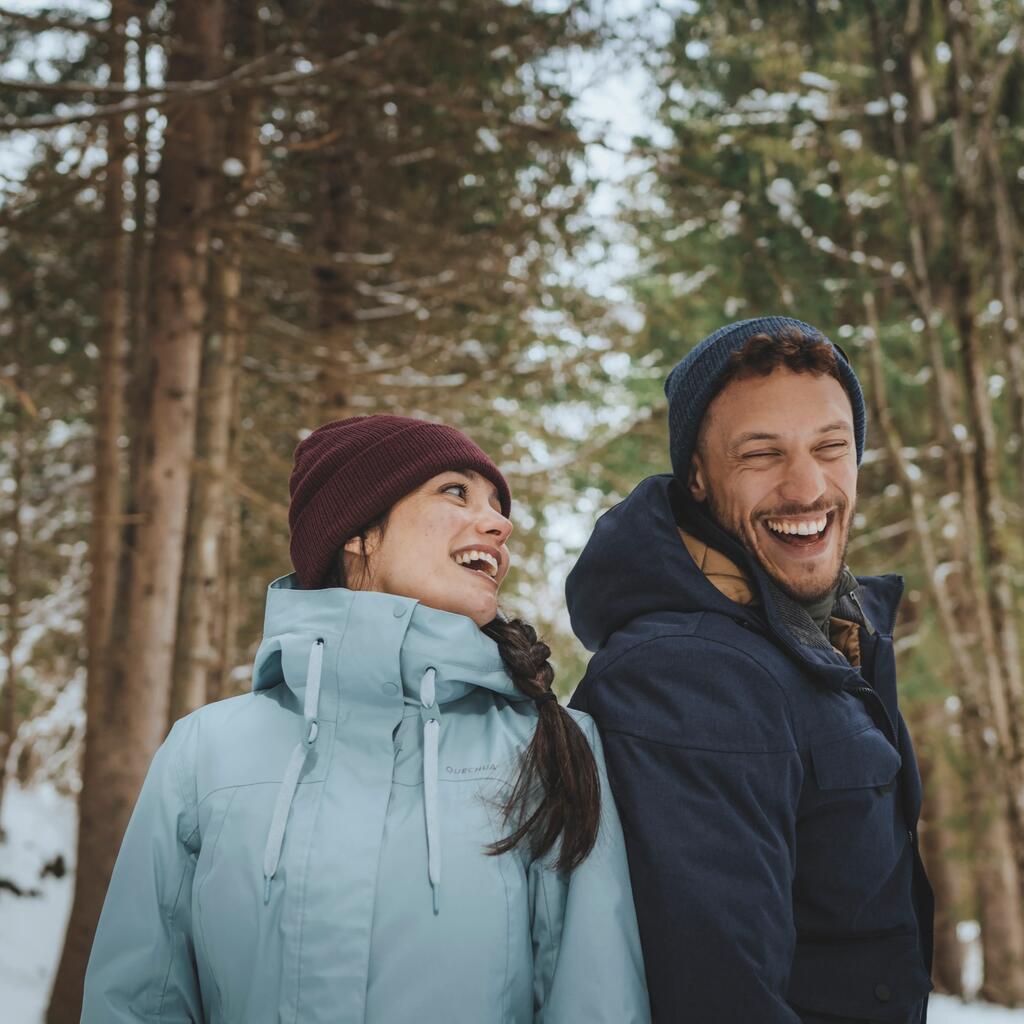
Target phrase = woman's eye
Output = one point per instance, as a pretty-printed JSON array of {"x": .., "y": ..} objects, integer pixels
[{"x": 458, "y": 489}]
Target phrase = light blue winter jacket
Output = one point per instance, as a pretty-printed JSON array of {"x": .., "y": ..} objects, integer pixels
[{"x": 314, "y": 851}]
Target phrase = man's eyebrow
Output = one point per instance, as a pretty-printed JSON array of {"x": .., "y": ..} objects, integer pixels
[
  {"x": 760, "y": 435},
  {"x": 752, "y": 435}
]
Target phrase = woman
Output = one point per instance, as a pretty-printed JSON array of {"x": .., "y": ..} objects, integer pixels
[{"x": 400, "y": 824}]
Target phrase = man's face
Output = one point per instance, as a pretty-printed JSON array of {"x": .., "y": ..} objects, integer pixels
[{"x": 777, "y": 465}]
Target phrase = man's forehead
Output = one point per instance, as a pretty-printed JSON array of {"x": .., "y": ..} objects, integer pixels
[{"x": 781, "y": 403}]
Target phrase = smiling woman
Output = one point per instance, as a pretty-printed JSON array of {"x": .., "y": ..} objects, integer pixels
[
  {"x": 443, "y": 544},
  {"x": 401, "y": 823}
]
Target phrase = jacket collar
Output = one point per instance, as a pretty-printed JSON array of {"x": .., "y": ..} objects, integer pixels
[
  {"x": 373, "y": 640},
  {"x": 731, "y": 569}
]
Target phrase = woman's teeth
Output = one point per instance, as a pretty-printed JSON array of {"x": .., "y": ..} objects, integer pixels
[{"x": 484, "y": 562}]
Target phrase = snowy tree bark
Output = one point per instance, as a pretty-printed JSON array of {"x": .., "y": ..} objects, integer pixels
[
  {"x": 989, "y": 787},
  {"x": 8, "y": 695},
  {"x": 137, "y": 690},
  {"x": 200, "y": 663},
  {"x": 97, "y": 839},
  {"x": 942, "y": 842}
]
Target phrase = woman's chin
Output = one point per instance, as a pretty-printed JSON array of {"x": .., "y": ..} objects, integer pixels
[{"x": 481, "y": 612}]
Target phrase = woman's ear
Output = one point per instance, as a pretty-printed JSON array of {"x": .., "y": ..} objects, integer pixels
[{"x": 354, "y": 546}]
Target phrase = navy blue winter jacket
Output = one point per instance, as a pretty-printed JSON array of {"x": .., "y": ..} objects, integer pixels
[{"x": 767, "y": 787}]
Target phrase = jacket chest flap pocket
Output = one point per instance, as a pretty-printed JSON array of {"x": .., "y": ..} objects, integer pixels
[
  {"x": 850, "y": 831},
  {"x": 865, "y": 760}
]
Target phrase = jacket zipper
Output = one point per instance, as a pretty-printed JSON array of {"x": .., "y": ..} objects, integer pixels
[{"x": 868, "y": 694}]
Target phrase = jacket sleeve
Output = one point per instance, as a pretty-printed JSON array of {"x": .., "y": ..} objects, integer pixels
[
  {"x": 587, "y": 963},
  {"x": 704, "y": 768},
  {"x": 142, "y": 965}
]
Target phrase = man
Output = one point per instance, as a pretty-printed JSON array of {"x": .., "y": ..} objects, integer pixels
[{"x": 744, "y": 683}]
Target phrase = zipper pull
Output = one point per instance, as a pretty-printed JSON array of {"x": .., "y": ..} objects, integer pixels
[{"x": 867, "y": 622}]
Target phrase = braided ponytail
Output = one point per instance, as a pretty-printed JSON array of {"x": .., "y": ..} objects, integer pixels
[{"x": 557, "y": 794}]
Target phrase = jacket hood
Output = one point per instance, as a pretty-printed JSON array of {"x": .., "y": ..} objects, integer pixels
[
  {"x": 462, "y": 656},
  {"x": 335, "y": 646},
  {"x": 636, "y": 564}
]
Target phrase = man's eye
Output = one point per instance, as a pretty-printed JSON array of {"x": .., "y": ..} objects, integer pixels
[
  {"x": 834, "y": 447},
  {"x": 759, "y": 455}
]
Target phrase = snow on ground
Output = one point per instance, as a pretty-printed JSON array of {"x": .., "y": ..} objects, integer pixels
[
  {"x": 943, "y": 1010},
  {"x": 41, "y": 823}
]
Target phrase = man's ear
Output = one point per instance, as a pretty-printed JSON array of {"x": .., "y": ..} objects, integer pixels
[{"x": 697, "y": 483}]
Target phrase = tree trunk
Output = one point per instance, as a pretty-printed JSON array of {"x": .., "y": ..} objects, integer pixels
[
  {"x": 98, "y": 836},
  {"x": 138, "y": 688},
  {"x": 990, "y": 787},
  {"x": 334, "y": 287},
  {"x": 968, "y": 100},
  {"x": 199, "y": 664},
  {"x": 942, "y": 853},
  {"x": 995, "y": 868},
  {"x": 8, "y": 696}
]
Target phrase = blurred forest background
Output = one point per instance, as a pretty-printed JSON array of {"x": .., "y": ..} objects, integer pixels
[{"x": 224, "y": 222}]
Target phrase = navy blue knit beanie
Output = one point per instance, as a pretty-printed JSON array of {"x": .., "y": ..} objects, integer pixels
[{"x": 691, "y": 385}]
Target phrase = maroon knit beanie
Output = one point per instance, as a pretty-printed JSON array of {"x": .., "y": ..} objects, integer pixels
[{"x": 350, "y": 471}]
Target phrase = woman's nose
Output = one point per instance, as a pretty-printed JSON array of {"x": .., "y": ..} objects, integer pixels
[{"x": 495, "y": 525}]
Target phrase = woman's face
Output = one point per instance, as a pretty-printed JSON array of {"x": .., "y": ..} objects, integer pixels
[{"x": 444, "y": 545}]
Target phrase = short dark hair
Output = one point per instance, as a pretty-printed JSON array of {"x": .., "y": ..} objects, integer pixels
[
  {"x": 762, "y": 354},
  {"x": 790, "y": 347}
]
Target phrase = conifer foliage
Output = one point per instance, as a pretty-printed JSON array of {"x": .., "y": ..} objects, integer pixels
[
  {"x": 858, "y": 166},
  {"x": 230, "y": 222}
]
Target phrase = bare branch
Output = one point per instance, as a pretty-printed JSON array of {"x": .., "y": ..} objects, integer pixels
[{"x": 240, "y": 77}]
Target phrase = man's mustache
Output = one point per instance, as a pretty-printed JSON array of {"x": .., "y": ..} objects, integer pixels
[{"x": 818, "y": 507}]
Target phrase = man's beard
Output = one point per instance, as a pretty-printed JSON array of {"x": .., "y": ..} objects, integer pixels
[{"x": 735, "y": 529}]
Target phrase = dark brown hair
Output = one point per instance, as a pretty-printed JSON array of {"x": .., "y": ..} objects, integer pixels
[
  {"x": 762, "y": 354},
  {"x": 790, "y": 348},
  {"x": 557, "y": 795}
]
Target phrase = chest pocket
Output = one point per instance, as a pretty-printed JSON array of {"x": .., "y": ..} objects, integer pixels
[{"x": 864, "y": 760}]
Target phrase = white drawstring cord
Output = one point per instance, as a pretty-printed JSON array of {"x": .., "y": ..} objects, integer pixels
[
  {"x": 285, "y": 795},
  {"x": 430, "y": 713}
]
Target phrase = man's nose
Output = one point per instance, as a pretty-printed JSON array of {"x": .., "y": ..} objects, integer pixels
[{"x": 804, "y": 482}]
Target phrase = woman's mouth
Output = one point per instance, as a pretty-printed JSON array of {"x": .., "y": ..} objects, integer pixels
[{"x": 483, "y": 563}]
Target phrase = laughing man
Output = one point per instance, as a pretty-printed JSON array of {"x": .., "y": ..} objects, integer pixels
[{"x": 744, "y": 682}]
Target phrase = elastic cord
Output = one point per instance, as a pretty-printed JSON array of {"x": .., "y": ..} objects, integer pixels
[{"x": 544, "y": 698}]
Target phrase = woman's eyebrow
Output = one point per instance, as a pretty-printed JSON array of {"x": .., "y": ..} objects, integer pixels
[{"x": 472, "y": 475}]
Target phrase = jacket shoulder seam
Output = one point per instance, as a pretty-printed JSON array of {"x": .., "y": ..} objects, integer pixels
[
  {"x": 690, "y": 746},
  {"x": 720, "y": 643}
]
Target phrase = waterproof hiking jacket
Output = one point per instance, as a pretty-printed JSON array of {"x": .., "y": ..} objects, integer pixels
[
  {"x": 767, "y": 786},
  {"x": 314, "y": 851}
]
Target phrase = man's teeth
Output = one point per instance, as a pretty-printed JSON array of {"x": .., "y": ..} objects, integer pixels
[
  {"x": 803, "y": 527},
  {"x": 465, "y": 557}
]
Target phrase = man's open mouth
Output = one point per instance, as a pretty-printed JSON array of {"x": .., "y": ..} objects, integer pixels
[
  {"x": 478, "y": 561},
  {"x": 800, "y": 531}
]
